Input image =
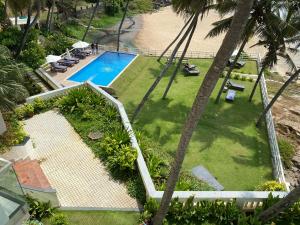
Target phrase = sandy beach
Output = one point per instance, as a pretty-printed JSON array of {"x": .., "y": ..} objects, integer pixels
[{"x": 161, "y": 27}]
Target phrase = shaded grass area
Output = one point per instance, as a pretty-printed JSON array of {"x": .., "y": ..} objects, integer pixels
[
  {"x": 226, "y": 140},
  {"x": 249, "y": 68},
  {"x": 100, "y": 218}
]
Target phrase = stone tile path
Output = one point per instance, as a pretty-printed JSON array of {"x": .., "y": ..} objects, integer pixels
[{"x": 70, "y": 166}]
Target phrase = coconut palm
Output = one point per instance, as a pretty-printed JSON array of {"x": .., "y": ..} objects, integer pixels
[
  {"x": 91, "y": 20},
  {"x": 229, "y": 43},
  {"x": 50, "y": 5},
  {"x": 121, "y": 24},
  {"x": 32, "y": 6},
  {"x": 11, "y": 88}
]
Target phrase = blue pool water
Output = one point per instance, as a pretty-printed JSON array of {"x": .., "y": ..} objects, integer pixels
[{"x": 104, "y": 69}]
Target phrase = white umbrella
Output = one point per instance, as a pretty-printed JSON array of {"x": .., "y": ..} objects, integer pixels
[
  {"x": 68, "y": 53},
  {"x": 80, "y": 44},
  {"x": 52, "y": 58}
]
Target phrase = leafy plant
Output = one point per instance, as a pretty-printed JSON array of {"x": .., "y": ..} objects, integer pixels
[
  {"x": 287, "y": 151},
  {"x": 59, "y": 219},
  {"x": 250, "y": 79},
  {"x": 236, "y": 77},
  {"x": 33, "y": 55},
  {"x": 39, "y": 210},
  {"x": 243, "y": 78},
  {"x": 271, "y": 186},
  {"x": 57, "y": 43},
  {"x": 25, "y": 111},
  {"x": 136, "y": 189}
]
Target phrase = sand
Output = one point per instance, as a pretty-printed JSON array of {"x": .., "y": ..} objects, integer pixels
[{"x": 161, "y": 27}]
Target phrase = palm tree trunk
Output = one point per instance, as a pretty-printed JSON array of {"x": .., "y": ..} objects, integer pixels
[
  {"x": 48, "y": 18},
  {"x": 274, "y": 99},
  {"x": 280, "y": 206},
  {"x": 16, "y": 20},
  {"x": 179, "y": 34},
  {"x": 180, "y": 60},
  {"x": 28, "y": 27},
  {"x": 231, "y": 68},
  {"x": 91, "y": 20},
  {"x": 5, "y": 9},
  {"x": 121, "y": 24},
  {"x": 2, "y": 124},
  {"x": 163, "y": 72},
  {"x": 51, "y": 16},
  {"x": 229, "y": 43},
  {"x": 257, "y": 81}
]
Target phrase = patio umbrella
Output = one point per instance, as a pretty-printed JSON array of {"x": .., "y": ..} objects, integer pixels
[
  {"x": 52, "y": 58},
  {"x": 80, "y": 44},
  {"x": 68, "y": 53}
]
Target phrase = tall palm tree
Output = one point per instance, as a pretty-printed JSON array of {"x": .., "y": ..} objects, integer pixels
[
  {"x": 33, "y": 5},
  {"x": 229, "y": 43},
  {"x": 280, "y": 206},
  {"x": 91, "y": 20},
  {"x": 121, "y": 24}
]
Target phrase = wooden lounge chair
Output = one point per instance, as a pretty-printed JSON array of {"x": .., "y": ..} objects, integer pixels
[
  {"x": 65, "y": 62},
  {"x": 235, "y": 86},
  {"x": 191, "y": 72},
  {"x": 55, "y": 67},
  {"x": 230, "y": 95},
  {"x": 70, "y": 58}
]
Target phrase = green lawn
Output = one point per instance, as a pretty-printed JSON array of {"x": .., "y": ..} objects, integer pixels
[
  {"x": 226, "y": 141},
  {"x": 100, "y": 218}
]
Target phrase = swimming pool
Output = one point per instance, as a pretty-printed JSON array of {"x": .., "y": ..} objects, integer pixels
[{"x": 104, "y": 69}]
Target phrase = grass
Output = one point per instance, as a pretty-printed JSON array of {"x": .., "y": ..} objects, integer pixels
[
  {"x": 100, "y": 218},
  {"x": 249, "y": 68},
  {"x": 226, "y": 140}
]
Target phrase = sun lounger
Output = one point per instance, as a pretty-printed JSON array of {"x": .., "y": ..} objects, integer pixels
[
  {"x": 65, "y": 62},
  {"x": 238, "y": 65},
  {"x": 69, "y": 58},
  {"x": 79, "y": 55},
  {"x": 55, "y": 67},
  {"x": 230, "y": 95},
  {"x": 191, "y": 72},
  {"x": 235, "y": 86},
  {"x": 189, "y": 66}
]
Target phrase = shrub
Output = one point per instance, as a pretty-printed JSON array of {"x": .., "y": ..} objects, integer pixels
[
  {"x": 187, "y": 182},
  {"x": 286, "y": 151},
  {"x": 25, "y": 111},
  {"x": 136, "y": 189},
  {"x": 250, "y": 79},
  {"x": 14, "y": 135},
  {"x": 243, "y": 78},
  {"x": 33, "y": 55},
  {"x": 222, "y": 75},
  {"x": 39, "y": 210},
  {"x": 39, "y": 105},
  {"x": 59, "y": 219},
  {"x": 57, "y": 43},
  {"x": 11, "y": 37},
  {"x": 236, "y": 77},
  {"x": 271, "y": 186}
]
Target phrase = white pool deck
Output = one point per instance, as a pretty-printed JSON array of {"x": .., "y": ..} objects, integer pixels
[{"x": 69, "y": 164}]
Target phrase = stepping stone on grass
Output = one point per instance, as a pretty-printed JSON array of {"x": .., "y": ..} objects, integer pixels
[
  {"x": 203, "y": 174},
  {"x": 96, "y": 135}
]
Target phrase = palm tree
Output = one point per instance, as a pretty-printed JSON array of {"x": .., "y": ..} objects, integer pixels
[
  {"x": 280, "y": 206},
  {"x": 32, "y": 5},
  {"x": 121, "y": 24},
  {"x": 17, "y": 6},
  {"x": 91, "y": 20},
  {"x": 50, "y": 5},
  {"x": 11, "y": 80},
  {"x": 229, "y": 43}
]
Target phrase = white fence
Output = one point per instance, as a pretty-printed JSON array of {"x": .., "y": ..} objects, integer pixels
[
  {"x": 246, "y": 199},
  {"x": 276, "y": 159}
]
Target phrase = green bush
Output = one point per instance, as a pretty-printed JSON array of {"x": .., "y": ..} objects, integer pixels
[
  {"x": 57, "y": 43},
  {"x": 25, "y": 111},
  {"x": 39, "y": 210},
  {"x": 250, "y": 79},
  {"x": 141, "y": 6},
  {"x": 14, "y": 135},
  {"x": 33, "y": 55},
  {"x": 136, "y": 189},
  {"x": 271, "y": 186},
  {"x": 236, "y": 77},
  {"x": 287, "y": 151},
  {"x": 187, "y": 182},
  {"x": 243, "y": 78},
  {"x": 39, "y": 105},
  {"x": 59, "y": 219},
  {"x": 11, "y": 37}
]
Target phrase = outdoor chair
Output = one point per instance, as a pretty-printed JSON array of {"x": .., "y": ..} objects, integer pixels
[
  {"x": 235, "y": 86},
  {"x": 230, "y": 95},
  {"x": 65, "y": 62},
  {"x": 70, "y": 58},
  {"x": 238, "y": 65},
  {"x": 55, "y": 67},
  {"x": 191, "y": 71}
]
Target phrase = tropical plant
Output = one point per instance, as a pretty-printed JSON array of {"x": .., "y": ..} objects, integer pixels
[
  {"x": 39, "y": 210},
  {"x": 59, "y": 219},
  {"x": 34, "y": 55},
  {"x": 271, "y": 186},
  {"x": 57, "y": 43},
  {"x": 230, "y": 41}
]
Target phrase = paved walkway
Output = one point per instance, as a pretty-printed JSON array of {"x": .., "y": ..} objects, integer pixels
[{"x": 69, "y": 164}]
